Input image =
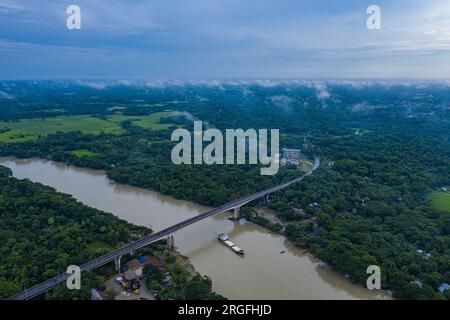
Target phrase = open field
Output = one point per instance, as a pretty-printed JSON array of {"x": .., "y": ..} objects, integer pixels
[
  {"x": 440, "y": 200},
  {"x": 29, "y": 129},
  {"x": 99, "y": 246},
  {"x": 83, "y": 153},
  {"x": 150, "y": 121}
]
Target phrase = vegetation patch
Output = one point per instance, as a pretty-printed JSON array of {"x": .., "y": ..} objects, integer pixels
[
  {"x": 150, "y": 121},
  {"x": 30, "y": 129},
  {"x": 80, "y": 153},
  {"x": 99, "y": 246},
  {"x": 440, "y": 201}
]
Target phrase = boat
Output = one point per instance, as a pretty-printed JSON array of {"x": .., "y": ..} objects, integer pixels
[
  {"x": 229, "y": 244},
  {"x": 223, "y": 237},
  {"x": 237, "y": 250}
]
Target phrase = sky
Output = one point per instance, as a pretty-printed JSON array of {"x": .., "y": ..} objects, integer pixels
[{"x": 224, "y": 39}]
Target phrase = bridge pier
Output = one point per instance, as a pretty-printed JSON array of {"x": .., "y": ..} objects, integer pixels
[
  {"x": 237, "y": 213},
  {"x": 117, "y": 264},
  {"x": 170, "y": 242},
  {"x": 265, "y": 200}
]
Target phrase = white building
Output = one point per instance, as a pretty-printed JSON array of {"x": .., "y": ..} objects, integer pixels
[{"x": 290, "y": 156}]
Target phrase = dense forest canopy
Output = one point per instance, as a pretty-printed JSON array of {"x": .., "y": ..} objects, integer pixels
[{"x": 384, "y": 147}]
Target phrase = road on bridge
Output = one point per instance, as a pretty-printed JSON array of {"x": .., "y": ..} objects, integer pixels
[{"x": 52, "y": 282}]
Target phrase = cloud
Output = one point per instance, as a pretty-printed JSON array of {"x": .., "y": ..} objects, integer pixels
[
  {"x": 247, "y": 92},
  {"x": 95, "y": 85},
  {"x": 201, "y": 99},
  {"x": 9, "y": 10},
  {"x": 61, "y": 51},
  {"x": 188, "y": 116},
  {"x": 322, "y": 91},
  {"x": 364, "y": 106},
  {"x": 6, "y": 95},
  {"x": 282, "y": 101}
]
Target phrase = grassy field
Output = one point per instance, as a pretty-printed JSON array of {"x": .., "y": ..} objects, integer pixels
[
  {"x": 440, "y": 200},
  {"x": 83, "y": 153},
  {"x": 101, "y": 246},
  {"x": 29, "y": 129},
  {"x": 150, "y": 121}
]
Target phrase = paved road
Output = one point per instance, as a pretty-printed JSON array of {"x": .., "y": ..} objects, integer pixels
[{"x": 52, "y": 282}]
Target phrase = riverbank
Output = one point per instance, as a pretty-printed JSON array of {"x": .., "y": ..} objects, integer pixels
[{"x": 270, "y": 215}]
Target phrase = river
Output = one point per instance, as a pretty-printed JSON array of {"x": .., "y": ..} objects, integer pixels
[{"x": 264, "y": 273}]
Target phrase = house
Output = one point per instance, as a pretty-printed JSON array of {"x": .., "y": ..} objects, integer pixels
[
  {"x": 131, "y": 275},
  {"x": 299, "y": 211},
  {"x": 290, "y": 156},
  {"x": 314, "y": 205},
  {"x": 426, "y": 255},
  {"x": 133, "y": 281},
  {"x": 154, "y": 261},
  {"x": 444, "y": 287},
  {"x": 119, "y": 279}
]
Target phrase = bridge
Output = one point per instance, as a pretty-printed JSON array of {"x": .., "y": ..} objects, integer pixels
[{"x": 115, "y": 255}]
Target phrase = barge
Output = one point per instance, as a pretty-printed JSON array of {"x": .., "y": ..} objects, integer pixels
[{"x": 223, "y": 237}]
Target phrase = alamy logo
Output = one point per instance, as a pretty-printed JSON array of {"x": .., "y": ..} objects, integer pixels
[
  {"x": 74, "y": 280},
  {"x": 74, "y": 19},
  {"x": 374, "y": 280},
  {"x": 238, "y": 143},
  {"x": 374, "y": 20}
]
